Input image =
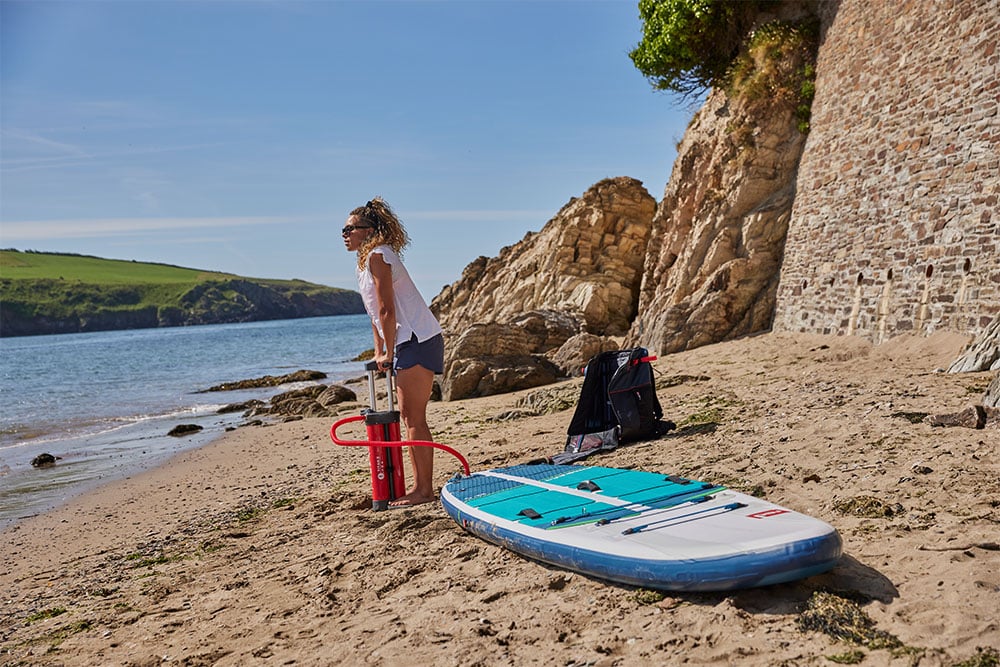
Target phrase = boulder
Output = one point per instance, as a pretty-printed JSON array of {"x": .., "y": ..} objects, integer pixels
[
  {"x": 492, "y": 357},
  {"x": 492, "y": 374},
  {"x": 184, "y": 429},
  {"x": 533, "y": 332},
  {"x": 973, "y": 416},
  {"x": 44, "y": 460},
  {"x": 574, "y": 355}
]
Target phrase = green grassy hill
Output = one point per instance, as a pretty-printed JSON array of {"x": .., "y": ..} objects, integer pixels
[{"x": 42, "y": 293}]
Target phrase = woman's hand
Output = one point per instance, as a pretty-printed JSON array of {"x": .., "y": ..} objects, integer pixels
[{"x": 384, "y": 360}]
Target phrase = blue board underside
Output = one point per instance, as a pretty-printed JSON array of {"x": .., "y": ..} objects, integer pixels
[
  {"x": 494, "y": 511},
  {"x": 745, "y": 570}
]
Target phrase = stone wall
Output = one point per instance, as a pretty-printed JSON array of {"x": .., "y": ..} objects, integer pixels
[{"x": 895, "y": 226}]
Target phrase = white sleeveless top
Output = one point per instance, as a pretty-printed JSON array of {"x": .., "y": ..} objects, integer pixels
[{"x": 412, "y": 314}]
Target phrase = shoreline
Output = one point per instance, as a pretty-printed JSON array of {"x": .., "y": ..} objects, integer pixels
[
  {"x": 139, "y": 443},
  {"x": 258, "y": 546},
  {"x": 103, "y": 399},
  {"x": 91, "y": 460}
]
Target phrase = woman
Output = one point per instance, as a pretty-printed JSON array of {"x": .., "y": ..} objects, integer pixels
[{"x": 407, "y": 335}]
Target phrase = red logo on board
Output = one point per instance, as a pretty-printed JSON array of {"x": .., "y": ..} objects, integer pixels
[{"x": 763, "y": 514}]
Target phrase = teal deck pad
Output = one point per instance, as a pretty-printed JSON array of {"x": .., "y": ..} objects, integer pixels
[
  {"x": 508, "y": 498},
  {"x": 671, "y": 494},
  {"x": 572, "y": 476},
  {"x": 634, "y": 486},
  {"x": 512, "y": 494},
  {"x": 549, "y": 504}
]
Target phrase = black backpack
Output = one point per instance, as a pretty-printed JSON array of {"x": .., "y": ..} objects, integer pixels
[{"x": 617, "y": 404}]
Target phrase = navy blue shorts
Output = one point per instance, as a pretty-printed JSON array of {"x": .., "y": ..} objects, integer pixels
[{"x": 429, "y": 354}]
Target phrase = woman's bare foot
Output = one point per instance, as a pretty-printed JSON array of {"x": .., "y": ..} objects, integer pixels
[{"x": 412, "y": 498}]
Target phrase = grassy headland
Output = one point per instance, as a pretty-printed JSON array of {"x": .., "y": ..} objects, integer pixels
[{"x": 44, "y": 293}]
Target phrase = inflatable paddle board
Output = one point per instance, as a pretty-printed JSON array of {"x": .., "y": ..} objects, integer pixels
[{"x": 641, "y": 528}]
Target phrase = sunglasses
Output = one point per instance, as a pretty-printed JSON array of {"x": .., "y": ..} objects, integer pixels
[{"x": 346, "y": 231}]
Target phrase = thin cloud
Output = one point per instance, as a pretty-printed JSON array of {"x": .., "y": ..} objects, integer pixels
[
  {"x": 78, "y": 157},
  {"x": 38, "y": 140},
  {"x": 41, "y": 230},
  {"x": 479, "y": 215}
]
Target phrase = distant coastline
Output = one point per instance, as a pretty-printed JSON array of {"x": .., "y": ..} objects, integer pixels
[{"x": 52, "y": 293}]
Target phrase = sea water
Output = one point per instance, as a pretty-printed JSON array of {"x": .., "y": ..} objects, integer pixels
[{"x": 104, "y": 402}]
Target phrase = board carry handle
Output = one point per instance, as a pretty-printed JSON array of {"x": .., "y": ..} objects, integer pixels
[
  {"x": 684, "y": 518},
  {"x": 396, "y": 443}
]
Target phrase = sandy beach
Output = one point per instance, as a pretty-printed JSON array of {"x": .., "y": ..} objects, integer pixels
[{"x": 259, "y": 549}]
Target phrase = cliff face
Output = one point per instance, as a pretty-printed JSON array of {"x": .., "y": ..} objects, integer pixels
[{"x": 712, "y": 263}]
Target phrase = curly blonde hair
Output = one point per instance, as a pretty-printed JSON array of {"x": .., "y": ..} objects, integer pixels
[{"x": 386, "y": 229}]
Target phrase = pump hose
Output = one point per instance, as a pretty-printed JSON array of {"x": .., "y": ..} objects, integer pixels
[{"x": 392, "y": 443}]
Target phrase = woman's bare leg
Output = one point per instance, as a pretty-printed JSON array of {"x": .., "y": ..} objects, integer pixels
[{"x": 413, "y": 390}]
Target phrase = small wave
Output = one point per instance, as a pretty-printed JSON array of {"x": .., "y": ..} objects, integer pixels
[
  {"x": 199, "y": 410},
  {"x": 16, "y": 435}
]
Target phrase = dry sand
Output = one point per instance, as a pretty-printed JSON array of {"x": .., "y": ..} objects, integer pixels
[{"x": 258, "y": 549}]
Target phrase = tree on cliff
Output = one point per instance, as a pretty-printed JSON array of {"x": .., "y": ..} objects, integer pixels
[{"x": 689, "y": 45}]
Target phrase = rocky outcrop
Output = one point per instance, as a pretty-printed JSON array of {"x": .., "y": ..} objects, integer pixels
[
  {"x": 587, "y": 262},
  {"x": 715, "y": 253},
  {"x": 268, "y": 381},
  {"x": 983, "y": 354},
  {"x": 313, "y": 401},
  {"x": 508, "y": 318},
  {"x": 704, "y": 268}
]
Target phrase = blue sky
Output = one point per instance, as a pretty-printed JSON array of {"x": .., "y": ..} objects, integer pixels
[{"x": 235, "y": 136}]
